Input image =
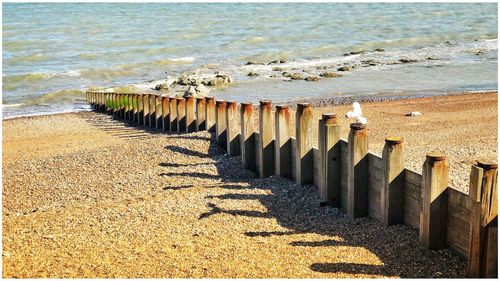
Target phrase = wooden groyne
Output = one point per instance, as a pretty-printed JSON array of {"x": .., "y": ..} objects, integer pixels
[{"x": 346, "y": 174}]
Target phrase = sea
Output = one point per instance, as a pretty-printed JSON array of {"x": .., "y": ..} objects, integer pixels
[{"x": 54, "y": 52}]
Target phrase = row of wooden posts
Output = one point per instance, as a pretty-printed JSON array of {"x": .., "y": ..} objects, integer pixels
[{"x": 268, "y": 153}]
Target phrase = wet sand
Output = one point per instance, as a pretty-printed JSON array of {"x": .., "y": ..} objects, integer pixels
[{"x": 88, "y": 196}]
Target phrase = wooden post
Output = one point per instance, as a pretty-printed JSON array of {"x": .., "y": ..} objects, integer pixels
[
  {"x": 433, "y": 214},
  {"x": 393, "y": 180},
  {"x": 140, "y": 110},
  {"x": 483, "y": 243},
  {"x": 165, "y": 113},
  {"x": 158, "y": 113},
  {"x": 283, "y": 142},
  {"x": 181, "y": 115},
  {"x": 152, "y": 111},
  {"x": 107, "y": 103},
  {"x": 233, "y": 129},
  {"x": 127, "y": 106},
  {"x": 247, "y": 137},
  {"x": 145, "y": 102},
  {"x": 173, "y": 114},
  {"x": 122, "y": 106},
  {"x": 329, "y": 167},
  {"x": 357, "y": 170},
  {"x": 130, "y": 115},
  {"x": 210, "y": 114},
  {"x": 200, "y": 114},
  {"x": 220, "y": 123},
  {"x": 266, "y": 143},
  {"x": 190, "y": 114},
  {"x": 304, "y": 158},
  {"x": 134, "y": 108}
]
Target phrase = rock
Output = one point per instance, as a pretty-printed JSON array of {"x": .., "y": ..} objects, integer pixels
[
  {"x": 220, "y": 80},
  {"x": 369, "y": 62},
  {"x": 202, "y": 91},
  {"x": 356, "y": 52},
  {"x": 379, "y": 50},
  {"x": 330, "y": 74},
  {"x": 293, "y": 76},
  {"x": 48, "y": 236},
  {"x": 278, "y": 69},
  {"x": 190, "y": 92},
  {"x": 431, "y": 58},
  {"x": 251, "y": 62},
  {"x": 253, "y": 74},
  {"x": 312, "y": 78},
  {"x": 344, "y": 68},
  {"x": 479, "y": 53},
  {"x": 277, "y": 61},
  {"x": 188, "y": 81},
  {"x": 162, "y": 87},
  {"x": 408, "y": 60},
  {"x": 413, "y": 113}
]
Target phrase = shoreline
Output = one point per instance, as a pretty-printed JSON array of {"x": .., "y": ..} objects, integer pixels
[{"x": 316, "y": 102}]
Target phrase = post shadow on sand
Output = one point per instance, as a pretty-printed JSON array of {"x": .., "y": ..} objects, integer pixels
[{"x": 297, "y": 208}]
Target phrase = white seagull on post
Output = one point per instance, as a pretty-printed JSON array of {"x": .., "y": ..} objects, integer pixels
[{"x": 356, "y": 113}]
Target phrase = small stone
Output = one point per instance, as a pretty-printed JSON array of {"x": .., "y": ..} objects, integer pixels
[
  {"x": 357, "y": 52},
  {"x": 253, "y": 74},
  {"x": 162, "y": 87},
  {"x": 330, "y": 74},
  {"x": 344, "y": 68},
  {"x": 312, "y": 78},
  {"x": 48, "y": 236},
  {"x": 293, "y": 76},
  {"x": 251, "y": 62},
  {"x": 408, "y": 60},
  {"x": 278, "y": 69},
  {"x": 379, "y": 50},
  {"x": 413, "y": 113}
]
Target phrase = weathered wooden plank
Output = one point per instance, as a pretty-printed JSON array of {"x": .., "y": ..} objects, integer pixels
[
  {"x": 411, "y": 211},
  {"x": 457, "y": 237},
  {"x": 316, "y": 165},
  {"x": 413, "y": 177},
  {"x": 459, "y": 198},
  {"x": 458, "y": 212},
  {"x": 294, "y": 156},
  {"x": 413, "y": 191}
]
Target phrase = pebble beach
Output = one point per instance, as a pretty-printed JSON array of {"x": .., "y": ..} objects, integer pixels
[{"x": 86, "y": 196}]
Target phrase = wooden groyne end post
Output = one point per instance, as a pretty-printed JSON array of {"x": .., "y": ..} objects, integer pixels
[
  {"x": 266, "y": 142},
  {"x": 152, "y": 111},
  {"x": 210, "y": 114},
  {"x": 158, "y": 113},
  {"x": 233, "y": 129},
  {"x": 190, "y": 114},
  {"x": 357, "y": 170},
  {"x": 220, "y": 123},
  {"x": 200, "y": 114},
  {"x": 145, "y": 102},
  {"x": 391, "y": 198},
  {"x": 433, "y": 214},
  {"x": 283, "y": 142},
  {"x": 329, "y": 151},
  {"x": 483, "y": 243},
  {"x": 303, "y": 127},
  {"x": 247, "y": 136},
  {"x": 165, "y": 113}
]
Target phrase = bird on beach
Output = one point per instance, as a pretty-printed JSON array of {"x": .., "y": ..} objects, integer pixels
[{"x": 357, "y": 113}]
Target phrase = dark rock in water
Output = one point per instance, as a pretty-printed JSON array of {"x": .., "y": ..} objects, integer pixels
[
  {"x": 408, "y": 60},
  {"x": 431, "y": 58},
  {"x": 479, "y": 53},
  {"x": 162, "y": 87},
  {"x": 357, "y": 52},
  {"x": 220, "y": 80},
  {"x": 253, "y": 74},
  {"x": 344, "y": 68},
  {"x": 293, "y": 76},
  {"x": 346, "y": 54},
  {"x": 312, "y": 78},
  {"x": 379, "y": 50},
  {"x": 251, "y": 62},
  {"x": 277, "y": 61},
  {"x": 278, "y": 69},
  {"x": 330, "y": 74},
  {"x": 369, "y": 62}
]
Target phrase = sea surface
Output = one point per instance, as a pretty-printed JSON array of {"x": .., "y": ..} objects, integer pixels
[{"x": 54, "y": 52}]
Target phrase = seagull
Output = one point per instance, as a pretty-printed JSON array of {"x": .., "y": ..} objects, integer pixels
[{"x": 356, "y": 113}]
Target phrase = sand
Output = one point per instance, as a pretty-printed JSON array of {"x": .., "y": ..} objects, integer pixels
[{"x": 88, "y": 196}]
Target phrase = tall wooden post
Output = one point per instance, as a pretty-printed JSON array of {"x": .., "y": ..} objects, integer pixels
[
  {"x": 115, "y": 104},
  {"x": 433, "y": 214},
  {"x": 127, "y": 106},
  {"x": 304, "y": 158},
  {"x": 173, "y": 114},
  {"x": 357, "y": 169},
  {"x": 140, "y": 110},
  {"x": 122, "y": 106},
  {"x": 200, "y": 114},
  {"x": 165, "y": 113},
  {"x": 247, "y": 137},
  {"x": 190, "y": 114},
  {"x": 393, "y": 180},
  {"x": 158, "y": 113},
  {"x": 152, "y": 111},
  {"x": 283, "y": 142},
  {"x": 130, "y": 115},
  {"x": 210, "y": 113},
  {"x": 483, "y": 243},
  {"x": 233, "y": 129},
  {"x": 135, "y": 108},
  {"x": 181, "y": 115},
  {"x": 145, "y": 102},
  {"x": 220, "y": 123},
  {"x": 329, "y": 167},
  {"x": 266, "y": 142}
]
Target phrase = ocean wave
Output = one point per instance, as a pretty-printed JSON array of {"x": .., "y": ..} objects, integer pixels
[
  {"x": 57, "y": 97},
  {"x": 38, "y": 57},
  {"x": 30, "y": 77}
]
